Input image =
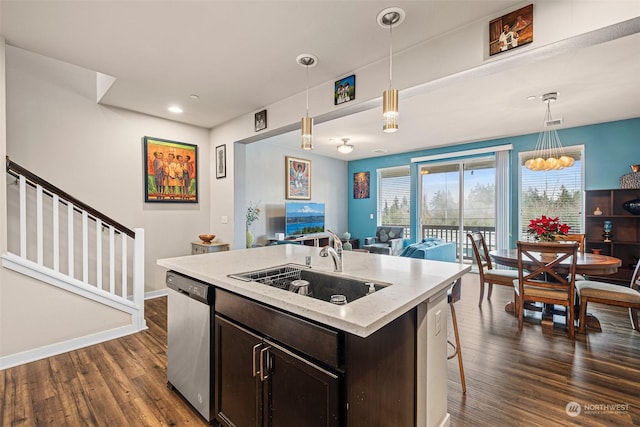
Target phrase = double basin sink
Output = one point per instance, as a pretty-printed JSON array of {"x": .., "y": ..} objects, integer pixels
[{"x": 321, "y": 285}]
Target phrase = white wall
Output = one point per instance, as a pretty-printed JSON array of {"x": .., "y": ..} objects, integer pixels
[
  {"x": 265, "y": 183},
  {"x": 95, "y": 153}
]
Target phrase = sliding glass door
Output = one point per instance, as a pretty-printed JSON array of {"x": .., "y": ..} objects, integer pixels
[{"x": 456, "y": 198}]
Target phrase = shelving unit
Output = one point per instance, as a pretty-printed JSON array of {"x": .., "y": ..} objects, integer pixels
[{"x": 625, "y": 242}]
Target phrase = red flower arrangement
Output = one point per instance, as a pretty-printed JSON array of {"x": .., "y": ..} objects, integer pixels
[{"x": 546, "y": 228}]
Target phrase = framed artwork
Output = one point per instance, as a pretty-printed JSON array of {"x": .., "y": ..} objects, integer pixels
[
  {"x": 298, "y": 178},
  {"x": 171, "y": 171},
  {"x": 260, "y": 120},
  {"x": 361, "y": 185},
  {"x": 345, "y": 90},
  {"x": 221, "y": 161},
  {"x": 512, "y": 30}
]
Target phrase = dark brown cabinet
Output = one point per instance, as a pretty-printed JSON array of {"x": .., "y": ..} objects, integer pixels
[
  {"x": 276, "y": 369},
  {"x": 261, "y": 383},
  {"x": 625, "y": 229}
]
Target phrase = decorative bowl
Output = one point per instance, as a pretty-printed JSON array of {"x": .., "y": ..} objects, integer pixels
[
  {"x": 632, "y": 206},
  {"x": 207, "y": 238}
]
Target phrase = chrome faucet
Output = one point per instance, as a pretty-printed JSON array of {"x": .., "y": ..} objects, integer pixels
[{"x": 335, "y": 251}]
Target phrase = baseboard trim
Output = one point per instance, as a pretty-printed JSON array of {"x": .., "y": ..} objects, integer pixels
[
  {"x": 64, "y": 347},
  {"x": 155, "y": 294}
]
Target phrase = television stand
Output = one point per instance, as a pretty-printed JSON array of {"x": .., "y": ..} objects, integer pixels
[{"x": 319, "y": 239}]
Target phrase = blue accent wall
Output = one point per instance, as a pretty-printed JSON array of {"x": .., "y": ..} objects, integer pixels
[{"x": 610, "y": 148}]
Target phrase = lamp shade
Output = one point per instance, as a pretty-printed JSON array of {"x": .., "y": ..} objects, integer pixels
[
  {"x": 307, "y": 133},
  {"x": 390, "y": 112}
]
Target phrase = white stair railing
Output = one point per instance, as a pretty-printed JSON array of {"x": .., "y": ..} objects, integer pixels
[{"x": 72, "y": 242}]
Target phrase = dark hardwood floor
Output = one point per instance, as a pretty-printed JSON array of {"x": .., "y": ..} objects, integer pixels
[{"x": 512, "y": 379}]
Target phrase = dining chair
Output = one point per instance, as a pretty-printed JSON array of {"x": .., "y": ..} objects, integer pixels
[
  {"x": 487, "y": 273},
  {"x": 539, "y": 280},
  {"x": 453, "y": 295},
  {"x": 610, "y": 294},
  {"x": 574, "y": 237}
]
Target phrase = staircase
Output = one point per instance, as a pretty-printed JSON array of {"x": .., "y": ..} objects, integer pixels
[{"x": 57, "y": 239}]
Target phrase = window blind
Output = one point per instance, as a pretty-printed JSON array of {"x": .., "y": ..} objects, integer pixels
[{"x": 394, "y": 197}]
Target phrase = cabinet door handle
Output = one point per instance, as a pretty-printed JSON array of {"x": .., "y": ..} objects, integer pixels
[
  {"x": 254, "y": 371},
  {"x": 264, "y": 363}
]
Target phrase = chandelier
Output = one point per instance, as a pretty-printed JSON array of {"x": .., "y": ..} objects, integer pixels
[{"x": 549, "y": 154}]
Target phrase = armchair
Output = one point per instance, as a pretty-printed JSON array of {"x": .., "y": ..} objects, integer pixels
[{"x": 388, "y": 240}]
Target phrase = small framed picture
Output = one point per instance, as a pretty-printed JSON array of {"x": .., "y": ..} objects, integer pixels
[
  {"x": 221, "y": 161},
  {"x": 345, "y": 90},
  {"x": 298, "y": 178},
  {"x": 171, "y": 171},
  {"x": 361, "y": 185},
  {"x": 512, "y": 30},
  {"x": 260, "y": 120}
]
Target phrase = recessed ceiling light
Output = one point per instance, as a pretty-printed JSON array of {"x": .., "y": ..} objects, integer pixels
[
  {"x": 175, "y": 109},
  {"x": 194, "y": 96},
  {"x": 531, "y": 97},
  {"x": 379, "y": 150}
]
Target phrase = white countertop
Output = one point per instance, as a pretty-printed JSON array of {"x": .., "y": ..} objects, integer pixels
[{"x": 413, "y": 282}]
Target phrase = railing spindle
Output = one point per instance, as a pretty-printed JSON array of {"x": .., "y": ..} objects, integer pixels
[
  {"x": 123, "y": 239},
  {"x": 39, "y": 226},
  {"x": 56, "y": 232},
  {"x": 85, "y": 247},
  {"x": 112, "y": 260},
  {"x": 23, "y": 217},
  {"x": 70, "y": 243},
  {"x": 99, "y": 254}
]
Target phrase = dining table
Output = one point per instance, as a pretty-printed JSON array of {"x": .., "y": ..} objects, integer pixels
[{"x": 586, "y": 264}]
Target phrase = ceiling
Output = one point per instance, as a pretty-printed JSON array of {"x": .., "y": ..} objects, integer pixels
[{"x": 239, "y": 56}]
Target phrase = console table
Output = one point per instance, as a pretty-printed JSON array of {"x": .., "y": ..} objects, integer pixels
[
  {"x": 205, "y": 248},
  {"x": 310, "y": 240}
]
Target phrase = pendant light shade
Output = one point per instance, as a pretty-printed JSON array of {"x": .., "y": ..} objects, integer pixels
[
  {"x": 390, "y": 112},
  {"x": 389, "y": 18},
  {"x": 306, "y": 124},
  {"x": 549, "y": 153}
]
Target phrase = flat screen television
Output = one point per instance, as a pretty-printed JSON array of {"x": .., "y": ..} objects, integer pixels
[{"x": 303, "y": 218}]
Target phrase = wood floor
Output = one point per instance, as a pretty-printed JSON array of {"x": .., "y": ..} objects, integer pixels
[{"x": 512, "y": 379}]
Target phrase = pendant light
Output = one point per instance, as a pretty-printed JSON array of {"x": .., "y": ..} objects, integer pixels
[
  {"x": 549, "y": 154},
  {"x": 390, "y": 113},
  {"x": 345, "y": 148},
  {"x": 306, "y": 125}
]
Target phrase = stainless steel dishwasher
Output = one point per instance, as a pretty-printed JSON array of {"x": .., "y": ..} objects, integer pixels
[{"x": 189, "y": 340}]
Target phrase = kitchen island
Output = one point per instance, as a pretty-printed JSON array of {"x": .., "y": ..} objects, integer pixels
[{"x": 383, "y": 356}]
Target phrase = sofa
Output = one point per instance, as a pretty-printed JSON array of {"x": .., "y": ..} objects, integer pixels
[
  {"x": 431, "y": 248},
  {"x": 388, "y": 240}
]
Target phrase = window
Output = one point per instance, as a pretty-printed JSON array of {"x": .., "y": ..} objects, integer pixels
[
  {"x": 394, "y": 197},
  {"x": 553, "y": 193}
]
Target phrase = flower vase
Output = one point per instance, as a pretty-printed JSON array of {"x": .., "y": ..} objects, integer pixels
[
  {"x": 249, "y": 238},
  {"x": 347, "y": 246}
]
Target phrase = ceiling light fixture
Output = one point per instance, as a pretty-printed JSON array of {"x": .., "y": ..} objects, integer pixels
[
  {"x": 549, "y": 154},
  {"x": 175, "y": 109},
  {"x": 345, "y": 148},
  {"x": 306, "y": 125},
  {"x": 390, "y": 113}
]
